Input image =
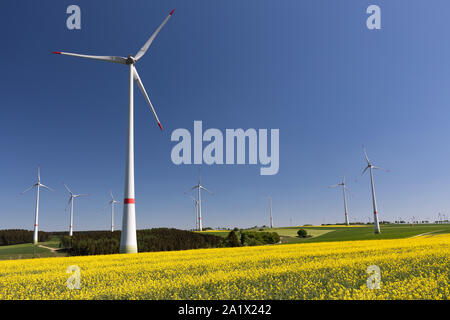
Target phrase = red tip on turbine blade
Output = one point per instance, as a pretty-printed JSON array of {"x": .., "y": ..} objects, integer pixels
[
  {"x": 56, "y": 52},
  {"x": 160, "y": 126},
  {"x": 171, "y": 12}
]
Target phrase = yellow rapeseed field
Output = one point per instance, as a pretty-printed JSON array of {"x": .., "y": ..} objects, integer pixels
[{"x": 416, "y": 268}]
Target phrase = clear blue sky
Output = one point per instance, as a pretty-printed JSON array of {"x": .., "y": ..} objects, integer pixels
[{"x": 309, "y": 68}]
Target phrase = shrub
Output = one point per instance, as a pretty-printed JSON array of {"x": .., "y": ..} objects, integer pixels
[
  {"x": 65, "y": 242},
  {"x": 302, "y": 233},
  {"x": 232, "y": 239}
]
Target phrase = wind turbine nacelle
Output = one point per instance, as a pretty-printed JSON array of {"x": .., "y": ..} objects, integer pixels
[{"x": 130, "y": 60}]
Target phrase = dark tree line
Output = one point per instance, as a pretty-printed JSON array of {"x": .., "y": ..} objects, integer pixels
[
  {"x": 160, "y": 239},
  {"x": 19, "y": 236}
]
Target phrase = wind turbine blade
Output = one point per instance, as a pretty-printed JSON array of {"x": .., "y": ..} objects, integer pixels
[
  {"x": 67, "y": 188},
  {"x": 382, "y": 169},
  {"x": 202, "y": 187},
  {"x": 81, "y": 195},
  {"x": 112, "y": 197},
  {"x": 28, "y": 189},
  {"x": 333, "y": 186},
  {"x": 362, "y": 174},
  {"x": 144, "y": 49},
  {"x": 144, "y": 93},
  {"x": 70, "y": 199},
  {"x": 39, "y": 172},
  {"x": 43, "y": 185},
  {"x": 114, "y": 59},
  {"x": 365, "y": 154}
]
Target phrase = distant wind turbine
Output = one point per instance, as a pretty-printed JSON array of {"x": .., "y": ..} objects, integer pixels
[
  {"x": 196, "y": 211},
  {"x": 112, "y": 202},
  {"x": 370, "y": 166},
  {"x": 128, "y": 241},
  {"x": 38, "y": 184},
  {"x": 270, "y": 208},
  {"x": 344, "y": 187},
  {"x": 199, "y": 187},
  {"x": 71, "y": 198}
]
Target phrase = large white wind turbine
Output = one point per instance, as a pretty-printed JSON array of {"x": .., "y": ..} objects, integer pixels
[
  {"x": 112, "y": 202},
  {"x": 38, "y": 184},
  {"x": 370, "y": 166},
  {"x": 344, "y": 187},
  {"x": 128, "y": 242},
  {"x": 71, "y": 198},
  {"x": 199, "y": 187}
]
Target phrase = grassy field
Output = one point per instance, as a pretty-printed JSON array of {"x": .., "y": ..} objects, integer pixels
[
  {"x": 28, "y": 250},
  {"x": 415, "y": 268},
  {"x": 344, "y": 233}
]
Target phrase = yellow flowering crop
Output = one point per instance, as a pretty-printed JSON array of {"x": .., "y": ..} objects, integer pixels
[{"x": 416, "y": 268}]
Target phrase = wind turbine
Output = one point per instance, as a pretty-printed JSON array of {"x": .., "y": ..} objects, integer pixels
[
  {"x": 71, "y": 198},
  {"x": 271, "y": 218},
  {"x": 112, "y": 202},
  {"x": 344, "y": 187},
  {"x": 128, "y": 242},
  {"x": 370, "y": 166},
  {"x": 196, "y": 210},
  {"x": 38, "y": 184},
  {"x": 199, "y": 201}
]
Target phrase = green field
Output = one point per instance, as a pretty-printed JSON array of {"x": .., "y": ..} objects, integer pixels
[
  {"x": 28, "y": 250},
  {"x": 344, "y": 233}
]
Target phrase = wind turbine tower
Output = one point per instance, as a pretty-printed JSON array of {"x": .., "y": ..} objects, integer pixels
[
  {"x": 71, "y": 199},
  {"x": 344, "y": 187},
  {"x": 196, "y": 211},
  {"x": 38, "y": 185},
  {"x": 270, "y": 207},
  {"x": 112, "y": 202},
  {"x": 371, "y": 167},
  {"x": 199, "y": 187}
]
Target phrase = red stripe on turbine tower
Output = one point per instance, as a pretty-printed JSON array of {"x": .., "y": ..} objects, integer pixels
[{"x": 128, "y": 200}]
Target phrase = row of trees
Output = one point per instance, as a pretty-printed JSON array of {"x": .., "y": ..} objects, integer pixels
[
  {"x": 18, "y": 236},
  {"x": 160, "y": 239},
  {"x": 237, "y": 238}
]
